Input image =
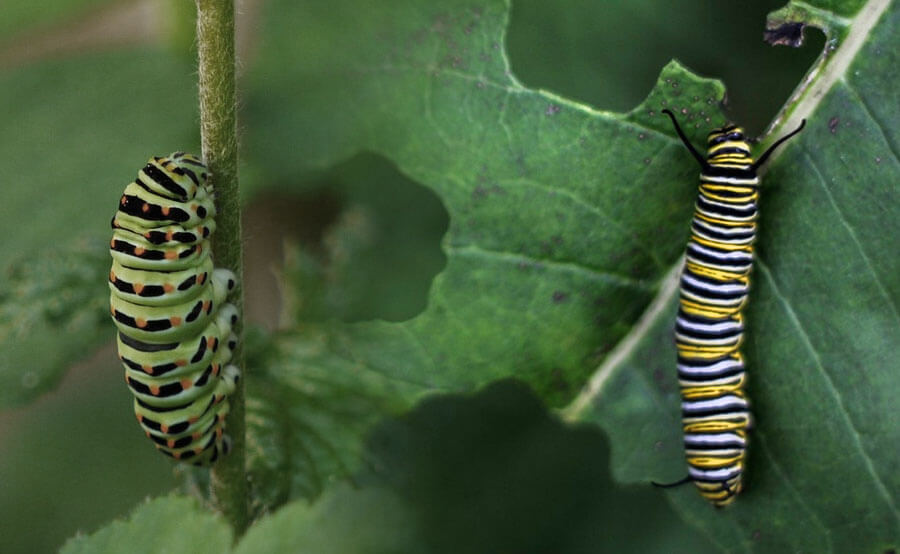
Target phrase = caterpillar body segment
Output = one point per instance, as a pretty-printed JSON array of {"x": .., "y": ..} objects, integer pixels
[
  {"x": 176, "y": 329},
  {"x": 709, "y": 329}
]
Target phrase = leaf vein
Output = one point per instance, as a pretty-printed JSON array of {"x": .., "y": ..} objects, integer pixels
[
  {"x": 852, "y": 233},
  {"x": 835, "y": 392},
  {"x": 595, "y": 210},
  {"x": 594, "y": 274},
  {"x": 871, "y": 115},
  {"x": 657, "y": 308}
]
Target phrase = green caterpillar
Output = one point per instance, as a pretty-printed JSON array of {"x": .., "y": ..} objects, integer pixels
[{"x": 175, "y": 328}]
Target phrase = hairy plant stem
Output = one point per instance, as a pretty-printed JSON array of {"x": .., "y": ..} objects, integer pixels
[{"x": 218, "y": 125}]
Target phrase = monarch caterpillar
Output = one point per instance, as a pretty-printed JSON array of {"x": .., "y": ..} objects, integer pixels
[
  {"x": 168, "y": 302},
  {"x": 709, "y": 327}
]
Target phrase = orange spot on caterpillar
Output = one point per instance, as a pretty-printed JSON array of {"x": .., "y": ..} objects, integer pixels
[
  {"x": 140, "y": 322},
  {"x": 154, "y": 390},
  {"x": 164, "y": 428},
  {"x": 140, "y": 418},
  {"x": 210, "y": 342},
  {"x": 112, "y": 311},
  {"x": 192, "y": 420},
  {"x": 138, "y": 287},
  {"x": 196, "y": 436},
  {"x": 169, "y": 234},
  {"x": 206, "y": 306},
  {"x": 148, "y": 369},
  {"x": 168, "y": 287},
  {"x": 194, "y": 208},
  {"x": 112, "y": 276},
  {"x": 170, "y": 443},
  {"x": 198, "y": 451},
  {"x": 176, "y": 321},
  {"x": 145, "y": 208},
  {"x": 201, "y": 278},
  {"x": 181, "y": 363},
  {"x": 215, "y": 370},
  {"x": 186, "y": 384},
  {"x": 171, "y": 254},
  {"x": 165, "y": 210},
  {"x": 112, "y": 243},
  {"x": 176, "y": 455},
  {"x": 139, "y": 250}
]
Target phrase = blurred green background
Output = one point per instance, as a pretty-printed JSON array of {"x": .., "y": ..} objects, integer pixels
[{"x": 607, "y": 54}]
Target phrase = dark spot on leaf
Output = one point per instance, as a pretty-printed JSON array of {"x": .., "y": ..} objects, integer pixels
[
  {"x": 559, "y": 296},
  {"x": 601, "y": 351},
  {"x": 833, "y": 124},
  {"x": 559, "y": 380},
  {"x": 675, "y": 84},
  {"x": 552, "y": 109},
  {"x": 878, "y": 159},
  {"x": 646, "y": 161},
  {"x": 659, "y": 376},
  {"x": 651, "y": 113},
  {"x": 787, "y": 34},
  {"x": 479, "y": 84},
  {"x": 658, "y": 445},
  {"x": 756, "y": 534},
  {"x": 479, "y": 192},
  {"x": 641, "y": 136},
  {"x": 523, "y": 265}
]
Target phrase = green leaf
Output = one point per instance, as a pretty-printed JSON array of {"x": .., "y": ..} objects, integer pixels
[
  {"x": 547, "y": 268},
  {"x": 486, "y": 473},
  {"x": 566, "y": 228},
  {"x": 307, "y": 413},
  {"x": 822, "y": 335},
  {"x": 58, "y": 298},
  {"x": 55, "y": 206},
  {"x": 163, "y": 525},
  {"x": 367, "y": 521}
]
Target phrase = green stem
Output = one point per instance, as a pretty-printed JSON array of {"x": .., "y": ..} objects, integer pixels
[{"x": 218, "y": 125}]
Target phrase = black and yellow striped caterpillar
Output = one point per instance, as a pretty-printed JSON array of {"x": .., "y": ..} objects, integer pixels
[
  {"x": 174, "y": 327},
  {"x": 709, "y": 328}
]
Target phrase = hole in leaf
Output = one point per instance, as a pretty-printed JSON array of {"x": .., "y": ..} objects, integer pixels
[
  {"x": 610, "y": 54},
  {"x": 363, "y": 244}
]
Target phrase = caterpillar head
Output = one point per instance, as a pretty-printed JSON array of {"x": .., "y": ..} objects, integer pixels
[{"x": 728, "y": 144}]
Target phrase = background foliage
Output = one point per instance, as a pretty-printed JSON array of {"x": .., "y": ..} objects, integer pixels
[{"x": 438, "y": 220}]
